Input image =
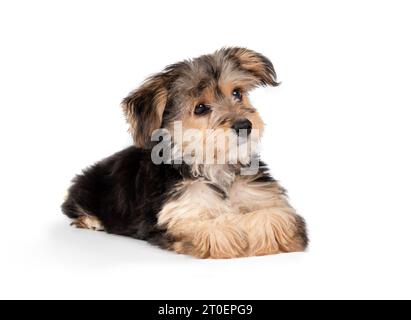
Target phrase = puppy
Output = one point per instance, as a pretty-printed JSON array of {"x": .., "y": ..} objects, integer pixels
[{"x": 184, "y": 202}]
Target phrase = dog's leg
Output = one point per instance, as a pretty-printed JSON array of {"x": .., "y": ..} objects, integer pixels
[
  {"x": 216, "y": 238},
  {"x": 201, "y": 223},
  {"x": 261, "y": 232},
  {"x": 274, "y": 230},
  {"x": 272, "y": 225},
  {"x": 88, "y": 222},
  {"x": 256, "y": 220}
]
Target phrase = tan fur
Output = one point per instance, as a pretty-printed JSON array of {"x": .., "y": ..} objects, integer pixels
[
  {"x": 247, "y": 195},
  {"x": 221, "y": 109},
  {"x": 88, "y": 222},
  {"x": 202, "y": 222},
  {"x": 271, "y": 231},
  {"x": 218, "y": 238},
  {"x": 197, "y": 201},
  {"x": 255, "y": 219},
  {"x": 268, "y": 218}
]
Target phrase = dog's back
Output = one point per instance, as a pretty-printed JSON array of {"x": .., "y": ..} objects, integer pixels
[{"x": 122, "y": 194}]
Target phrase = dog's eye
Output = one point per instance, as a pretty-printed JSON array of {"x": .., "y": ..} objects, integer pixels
[
  {"x": 237, "y": 94},
  {"x": 201, "y": 109}
]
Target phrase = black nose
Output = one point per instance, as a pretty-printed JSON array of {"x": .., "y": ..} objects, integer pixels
[{"x": 244, "y": 124}]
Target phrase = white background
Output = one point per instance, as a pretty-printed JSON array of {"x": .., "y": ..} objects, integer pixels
[{"x": 338, "y": 138}]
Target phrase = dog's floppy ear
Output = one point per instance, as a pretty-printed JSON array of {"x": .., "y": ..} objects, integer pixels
[
  {"x": 254, "y": 63},
  {"x": 144, "y": 109}
]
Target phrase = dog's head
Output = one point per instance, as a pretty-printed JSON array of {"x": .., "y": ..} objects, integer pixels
[{"x": 206, "y": 93}]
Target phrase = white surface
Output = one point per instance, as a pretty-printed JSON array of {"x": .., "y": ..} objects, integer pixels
[{"x": 338, "y": 138}]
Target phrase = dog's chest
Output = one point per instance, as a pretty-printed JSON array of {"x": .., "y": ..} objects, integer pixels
[
  {"x": 199, "y": 200},
  {"x": 246, "y": 196},
  {"x": 240, "y": 197}
]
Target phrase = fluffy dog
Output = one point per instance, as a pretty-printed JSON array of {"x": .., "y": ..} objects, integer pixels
[{"x": 207, "y": 210}]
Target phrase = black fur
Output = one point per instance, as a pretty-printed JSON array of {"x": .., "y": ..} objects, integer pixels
[{"x": 125, "y": 192}]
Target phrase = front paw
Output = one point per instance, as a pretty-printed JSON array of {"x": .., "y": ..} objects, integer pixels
[
  {"x": 273, "y": 231},
  {"x": 215, "y": 241}
]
